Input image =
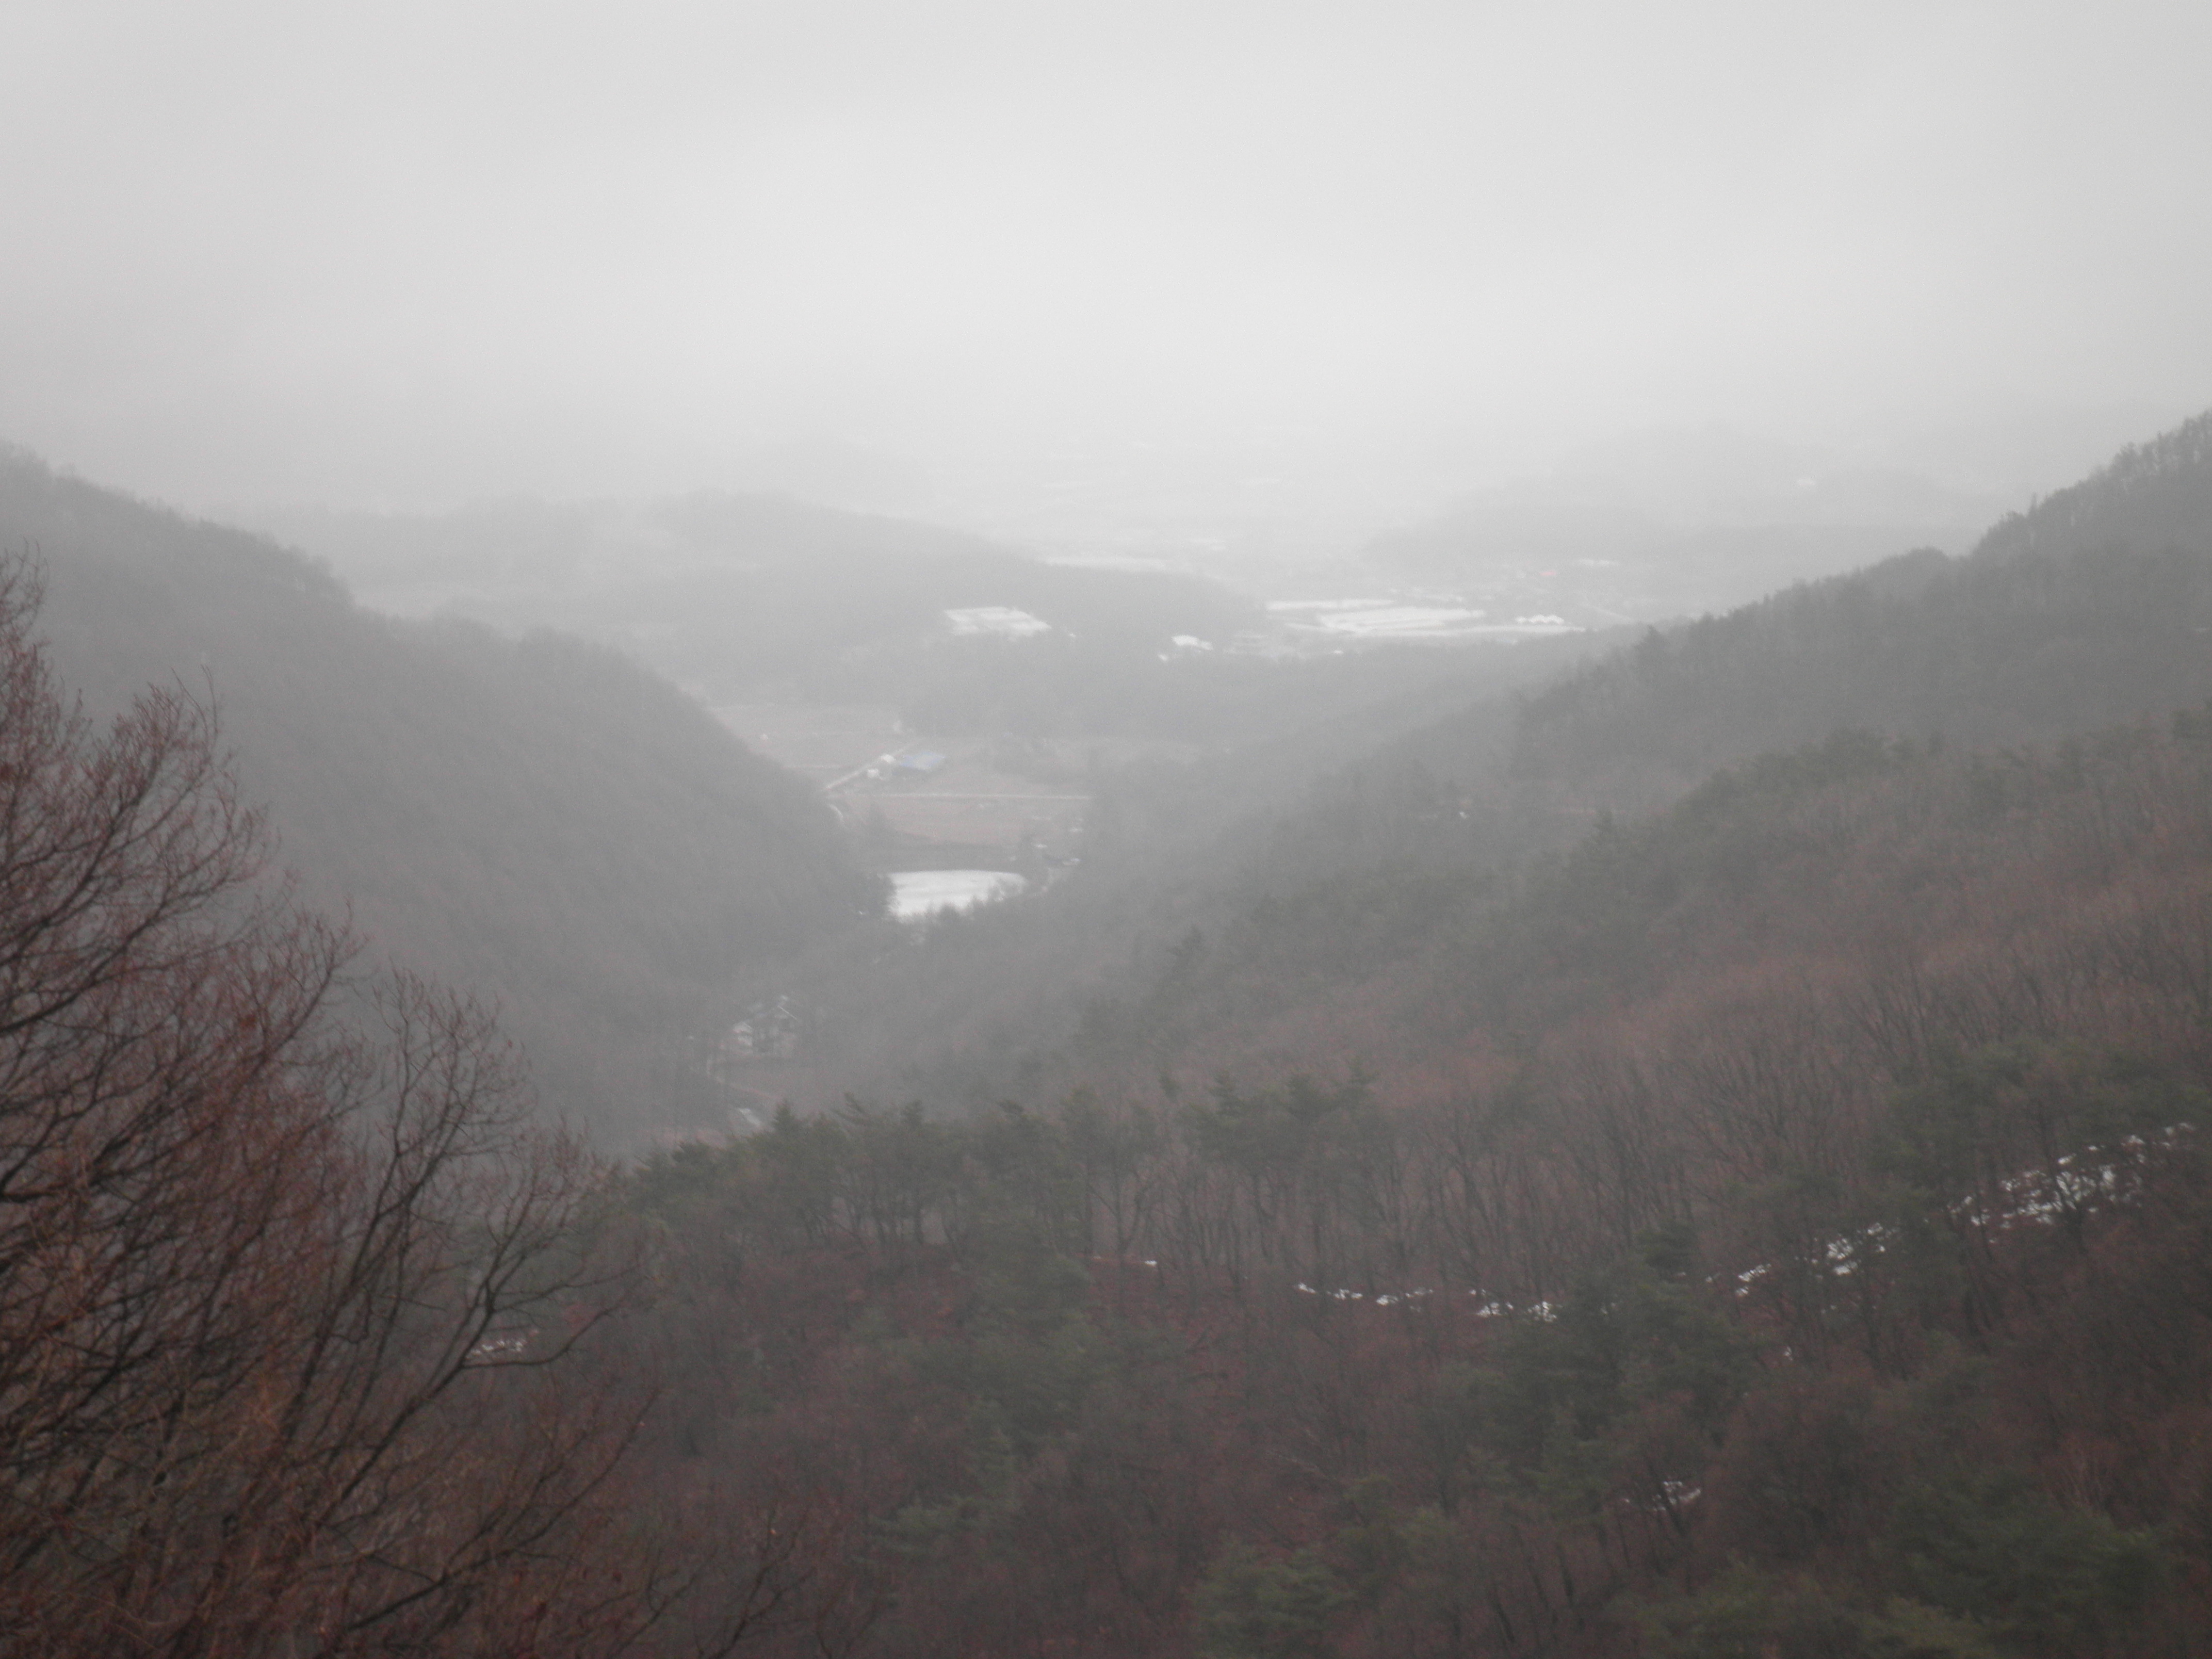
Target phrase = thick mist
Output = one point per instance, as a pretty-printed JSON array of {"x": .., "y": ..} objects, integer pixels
[
  {"x": 1171, "y": 829},
  {"x": 967, "y": 257}
]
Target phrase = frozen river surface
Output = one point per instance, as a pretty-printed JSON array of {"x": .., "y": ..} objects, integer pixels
[{"x": 919, "y": 893}]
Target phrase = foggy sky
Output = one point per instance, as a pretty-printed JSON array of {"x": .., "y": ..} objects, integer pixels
[{"x": 412, "y": 253}]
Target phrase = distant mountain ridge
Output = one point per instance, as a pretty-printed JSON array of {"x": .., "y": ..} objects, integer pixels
[
  {"x": 1667, "y": 523},
  {"x": 751, "y": 595},
  {"x": 538, "y": 820}
]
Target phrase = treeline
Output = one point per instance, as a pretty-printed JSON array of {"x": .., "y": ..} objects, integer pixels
[
  {"x": 1803, "y": 1257},
  {"x": 2150, "y": 495}
]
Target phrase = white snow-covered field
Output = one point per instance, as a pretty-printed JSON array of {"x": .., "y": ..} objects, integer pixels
[
  {"x": 919, "y": 893},
  {"x": 1395, "y": 619},
  {"x": 1002, "y": 620},
  {"x": 1398, "y": 621}
]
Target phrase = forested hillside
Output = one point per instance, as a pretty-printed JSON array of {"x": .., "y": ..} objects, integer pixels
[
  {"x": 2095, "y": 606},
  {"x": 1771, "y": 1224},
  {"x": 1801, "y": 1254},
  {"x": 1306, "y": 936},
  {"x": 538, "y": 820}
]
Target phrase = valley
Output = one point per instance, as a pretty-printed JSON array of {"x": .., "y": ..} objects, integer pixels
[
  {"x": 911, "y": 797},
  {"x": 1144, "y": 1115},
  {"x": 1105, "y": 830}
]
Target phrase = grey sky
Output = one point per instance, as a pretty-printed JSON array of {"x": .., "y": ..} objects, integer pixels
[{"x": 415, "y": 251}]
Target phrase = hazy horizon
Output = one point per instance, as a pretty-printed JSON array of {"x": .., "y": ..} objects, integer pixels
[{"x": 1349, "y": 259}]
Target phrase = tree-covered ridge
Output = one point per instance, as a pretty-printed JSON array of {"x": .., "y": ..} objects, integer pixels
[
  {"x": 538, "y": 819},
  {"x": 1804, "y": 1257},
  {"x": 2149, "y": 494},
  {"x": 760, "y": 596},
  {"x": 2018, "y": 650},
  {"x": 2094, "y": 607}
]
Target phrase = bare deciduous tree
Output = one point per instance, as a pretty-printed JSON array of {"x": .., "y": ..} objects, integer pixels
[{"x": 283, "y": 1295}]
